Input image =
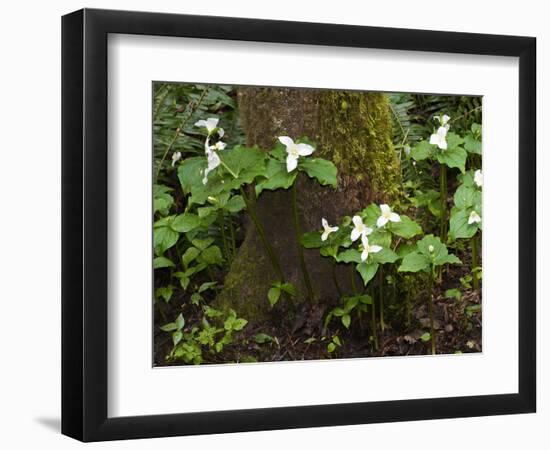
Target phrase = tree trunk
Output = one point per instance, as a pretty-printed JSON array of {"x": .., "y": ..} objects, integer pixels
[{"x": 352, "y": 129}]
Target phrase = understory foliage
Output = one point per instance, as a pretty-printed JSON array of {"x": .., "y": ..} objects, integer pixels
[{"x": 414, "y": 258}]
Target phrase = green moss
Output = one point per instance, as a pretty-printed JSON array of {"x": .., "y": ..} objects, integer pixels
[
  {"x": 355, "y": 132},
  {"x": 246, "y": 285}
]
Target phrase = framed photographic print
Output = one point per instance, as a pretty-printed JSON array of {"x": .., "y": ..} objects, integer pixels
[{"x": 273, "y": 224}]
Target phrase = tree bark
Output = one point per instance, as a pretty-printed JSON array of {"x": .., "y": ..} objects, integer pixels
[{"x": 353, "y": 130}]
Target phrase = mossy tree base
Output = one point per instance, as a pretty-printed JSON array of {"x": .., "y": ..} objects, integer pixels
[{"x": 352, "y": 129}]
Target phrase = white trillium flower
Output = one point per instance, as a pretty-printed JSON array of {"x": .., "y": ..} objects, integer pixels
[
  {"x": 210, "y": 125},
  {"x": 213, "y": 162},
  {"x": 439, "y": 138},
  {"x": 218, "y": 146},
  {"x": 387, "y": 216},
  {"x": 221, "y": 132},
  {"x": 474, "y": 218},
  {"x": 431, "y": 248},
  {"x": 294, "y": 151},
  {"x": 407, "y": 150},
  {"x": 359, "y": 228},
  {"x": 367, "y": 249},
  {"x": 478, "y": 178},
  {"x": 443, "y": 120},
  {"x": 328, "y": 229},
  {"x": 176, "y": 156}
]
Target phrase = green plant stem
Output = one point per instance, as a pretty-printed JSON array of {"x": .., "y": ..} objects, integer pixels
[
  {"x": 179, "y": 130},
  {"x": 381, "y": 296},
  {"x": 431, "y": 310},
  {"x": 260, "y": 229},
  {"x": 233, "y": 174},
  {"x": 221, "y": 220},
  {"x": 475, "y": 262},
  {"x": 232, "y": 234},
  {"x": 297, "y": 229}
]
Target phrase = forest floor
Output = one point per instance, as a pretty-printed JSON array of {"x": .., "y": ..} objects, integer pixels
[{"x": 457, "y": 323}]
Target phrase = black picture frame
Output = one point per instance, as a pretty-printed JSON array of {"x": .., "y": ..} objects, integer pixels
[{"x": 84, "y": 224}]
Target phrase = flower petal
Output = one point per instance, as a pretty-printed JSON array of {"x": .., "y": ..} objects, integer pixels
[
  {"x": 333, "y": 229},
  {"x": 211, "y": 123},
  {"x": 364, "y": 255},
  {"x": 357, "y": 221},
  {"x": 291, "y": 163},
  {"x": 434, "y": 139},
  {"x": 381, "y": 221},
  {"x": 221, "y": 132},
  {"x": 305, "y": 149},
  {"x": 324, "y": 236},
  {"x": 385, "y": 209},
  {"x": 355, "y": 234},
  {"x": 200, "y": 123},
  {"x": 324, "y": 223},
  {"x": 394, "y": 217},
  {"x": 367, "y": 231},
  {"x": 375, "y": 248},
  {"x": 286, "y": 141}
]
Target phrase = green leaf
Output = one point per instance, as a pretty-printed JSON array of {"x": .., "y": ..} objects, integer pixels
[
  {"x": 208, "y": 285},
  {"x": 350, "y": 255},
  {"x": 331, "y": 347},
  {"x": 211, "y": 255},
  {"x": 165, "y": 292},
  {"x": 312, "y": 240},
  {"x": 425, "y": 337},
  {"x": 177, "y": 337},
  {"x": 190, "y": 173},
  {"x": 322, "y": 170},
  {"x": 385, "y": 256},
  {"x": 406, "y": 228},
  {"x": 467, "y": 196},
  {"x": 169, "y": 327},
  {"x": 421, "y": 151},
  {"x": 435, "y": 251},
  {"x": 472, "y": 145},
  {"x": 262, "y": 338},
  {"x": 185, "y": 222},
  {"x": 190, "y": 254},
  {"x": 288, "y": 288},
  {"x": 162, "y": 203},
  {"x": 201, "y": 244},
  {"x": 239, "y": 324},
  {"x": 453, "y": 157},
  {"x": 276, "y": 177},
  {"x": 235, "y": 204},
  {"x": 163, "y": 239},
  {"x": 459, "y": 227},
  {"x": 453, "y": 293},
  {"x": 367, "y": 271},
  {"x": 161, "y": 262},
  {"x": 414, "y": 262},
  {"x": 196, "y": 298},
  {"x": 180, "y": 322},
  {"x": 346, "y": 320},
  {"x": 246, "y": 163},
  {"x": 273, "y": 295},
  {"x": 453, "y": 140}
]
